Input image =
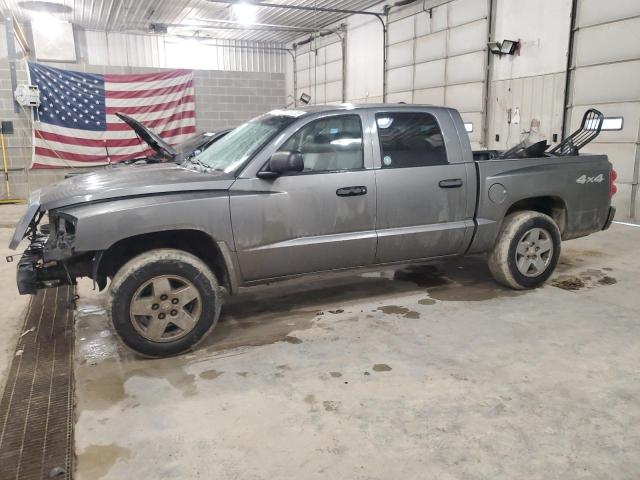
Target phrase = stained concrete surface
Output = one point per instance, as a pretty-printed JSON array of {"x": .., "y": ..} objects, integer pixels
[
  {"x": 434, "y": 372},
  {"x": 13, "y": 304},
  {"x": 10, "y": 214}
]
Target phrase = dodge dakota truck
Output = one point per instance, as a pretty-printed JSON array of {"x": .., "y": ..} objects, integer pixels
[{"x": 300, "y": 191}]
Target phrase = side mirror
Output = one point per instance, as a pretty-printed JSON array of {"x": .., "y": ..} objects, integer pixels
[{"x": 281, "y": 162}]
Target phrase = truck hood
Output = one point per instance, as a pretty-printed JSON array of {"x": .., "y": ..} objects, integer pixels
[
  {"x": 130, "y": 182},
  {"x": 112, "y": 184},
  {"x": 152, "y": 139}
]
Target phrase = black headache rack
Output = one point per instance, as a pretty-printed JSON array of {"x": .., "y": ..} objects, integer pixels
[{"x": 589, "y": 129}]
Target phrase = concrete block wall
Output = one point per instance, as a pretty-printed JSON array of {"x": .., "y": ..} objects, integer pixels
[
  {"x": 224, "y": 99},
  {"x": 18, "y": 146}
]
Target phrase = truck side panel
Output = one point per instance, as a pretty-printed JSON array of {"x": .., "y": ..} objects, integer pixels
[{"x": 579, "y": 185}]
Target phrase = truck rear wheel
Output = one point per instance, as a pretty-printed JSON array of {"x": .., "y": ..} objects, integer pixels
[
  {"x": 163, "y": 302},
  {"x": 527, "y": 250}
]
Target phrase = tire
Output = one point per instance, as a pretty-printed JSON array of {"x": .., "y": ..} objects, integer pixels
[
  {"x": 157, "y": 288},
  {"x": 519, "y": 259}
]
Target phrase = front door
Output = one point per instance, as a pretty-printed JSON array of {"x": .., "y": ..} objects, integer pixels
[
  {"x": 422, "y": 197},
  {"x": 322, "y": 218}
]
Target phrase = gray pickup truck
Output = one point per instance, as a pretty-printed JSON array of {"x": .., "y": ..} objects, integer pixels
[{"x": 293, "y": 192}]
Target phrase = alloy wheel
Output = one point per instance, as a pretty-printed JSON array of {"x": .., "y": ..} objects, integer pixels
[{"x": 165, "y": 308}]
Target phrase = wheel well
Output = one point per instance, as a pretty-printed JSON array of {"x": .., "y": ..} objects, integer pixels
[
  {"x": 549, "y": 205},
  {"x": 193, "y": 241}
]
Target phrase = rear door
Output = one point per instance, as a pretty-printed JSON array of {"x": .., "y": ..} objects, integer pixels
[
  {"x": 422, "y": 205},
  {"x": 322, "y": 218}
]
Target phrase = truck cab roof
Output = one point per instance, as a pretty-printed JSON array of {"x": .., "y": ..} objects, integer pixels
[{"x": 309, "y": 109}]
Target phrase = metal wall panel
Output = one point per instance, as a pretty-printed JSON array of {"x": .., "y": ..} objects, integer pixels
[
  {"x": 465, "y": 98},
  {"x": 401, "y": 30},
  {"x": 430, "y": 74},
  {"x": 130, "y": 50},
  {"x": 400, "y": 79},
  {"x": 593, "y": 45},
  {"x": 604, "y": 75},
  {"x": 465, "y": 11},
  {"x": 614, "y": 82},
  {"x": 429, "y": 96},
  {"x": 593, "y": 12},
  {"x": 431, "y": 47},
  {"x": 540, "y": 97},
  {"x": 400, "y": 54},
  {"x": 467, "y": 38},
  {"x": 439, "y": 57},
  {"x": 319, "y": 70},
  {"x": 467, "y": 68}
]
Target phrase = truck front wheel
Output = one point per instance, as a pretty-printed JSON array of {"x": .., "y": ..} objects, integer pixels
[
  {"x": 163, "y": 302},
  {"x": 527, "y": 250}
]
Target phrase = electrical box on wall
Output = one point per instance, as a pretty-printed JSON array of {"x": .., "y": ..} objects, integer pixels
[
  {"x": 6, "y": 127},
  {"x": 27, "y": 95}
]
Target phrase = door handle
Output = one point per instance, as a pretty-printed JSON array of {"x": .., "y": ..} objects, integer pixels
[
  {"x": 450, "y": 183},
  {"x": 351, "y": 191}
]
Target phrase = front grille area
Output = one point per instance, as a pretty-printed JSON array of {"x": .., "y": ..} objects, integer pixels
[{"x": 36, "y": 410}]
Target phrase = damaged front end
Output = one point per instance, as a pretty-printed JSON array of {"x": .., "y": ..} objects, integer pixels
[{"x": 50, "y": 260}]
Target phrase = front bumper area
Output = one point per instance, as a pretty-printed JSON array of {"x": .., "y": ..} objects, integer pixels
[{"x": 33, "y": 274}]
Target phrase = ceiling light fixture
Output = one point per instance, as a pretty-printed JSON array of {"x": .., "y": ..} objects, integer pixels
[
  {"x": 45, "y": 6},
  {"x": 244, "y": 13},
  {"x": 44, "y": 19}
]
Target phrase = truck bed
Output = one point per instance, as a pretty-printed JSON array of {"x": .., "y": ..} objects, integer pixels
[{"x": 575, "y": 190}]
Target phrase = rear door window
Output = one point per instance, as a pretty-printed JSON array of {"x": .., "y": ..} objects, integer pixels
[{"x": 410, "y": 139}]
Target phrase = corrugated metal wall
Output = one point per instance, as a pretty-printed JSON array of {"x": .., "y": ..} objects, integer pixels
[
  {"x": 539, "y": 97},
  {"x": 319, "y": 70},
  {"x": 438, "y": 56},
  {"x": 130, "y": 50},
  {"x": 606, "y": 75}
]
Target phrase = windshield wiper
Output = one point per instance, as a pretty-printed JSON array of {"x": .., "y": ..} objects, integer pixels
[{"x": 196, "y": 161}]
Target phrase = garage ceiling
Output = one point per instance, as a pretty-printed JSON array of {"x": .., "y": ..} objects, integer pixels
[{"x": 137, "y": 15}]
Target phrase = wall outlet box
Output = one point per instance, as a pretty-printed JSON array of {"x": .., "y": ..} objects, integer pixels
[
  {"x": 27, "y": 95},
  {"x": 6, "y": 127}
]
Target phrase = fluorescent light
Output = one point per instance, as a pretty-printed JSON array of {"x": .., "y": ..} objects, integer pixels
[
  {"x": 245, "y": 13},
  {"x": 43, "y": 18},
  {"x": 612, "y": 123},
  {"x": 468, "y": 127}
]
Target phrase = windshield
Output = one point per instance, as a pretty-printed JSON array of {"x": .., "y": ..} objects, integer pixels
[
  {"x": 235, "y": 148},
  {"x": 191, "y": 144}
]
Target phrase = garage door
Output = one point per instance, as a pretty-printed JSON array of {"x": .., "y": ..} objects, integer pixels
[
  {"x": 319, "y": 71},
  {"x": 606, "y": 69},
  {"x": 439, "y": 57}
]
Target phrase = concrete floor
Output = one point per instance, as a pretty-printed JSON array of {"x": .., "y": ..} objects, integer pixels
[
  {"x": 13, "y": 304},
  {"x": 435, "y": 373}
]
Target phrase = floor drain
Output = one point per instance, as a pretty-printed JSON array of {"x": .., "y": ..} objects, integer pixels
[{"x": 36, "y": 410}]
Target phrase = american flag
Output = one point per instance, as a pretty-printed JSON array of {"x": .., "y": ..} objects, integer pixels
[{"x": 77, "y": 123}]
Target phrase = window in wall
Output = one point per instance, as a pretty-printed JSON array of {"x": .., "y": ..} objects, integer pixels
[
  {"x": 330, "y": 144},
  {"x": 410, "y": 140},
  {"x": 612, "y": 123}
]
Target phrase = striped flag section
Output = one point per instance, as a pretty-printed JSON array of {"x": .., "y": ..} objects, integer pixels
[{"x": 77, "y": 125}]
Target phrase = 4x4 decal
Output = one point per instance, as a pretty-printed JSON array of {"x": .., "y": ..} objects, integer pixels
[{"x": 584, "y": 179}]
